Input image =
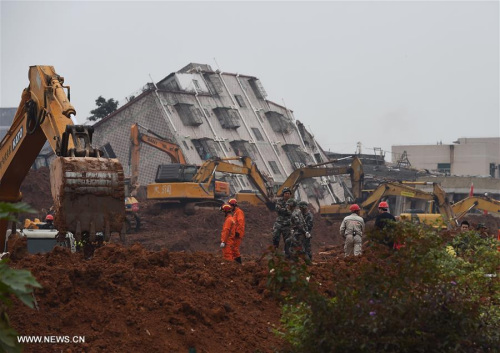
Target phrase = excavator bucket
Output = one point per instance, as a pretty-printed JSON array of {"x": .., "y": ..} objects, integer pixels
[{"x": 88, "y": 195}]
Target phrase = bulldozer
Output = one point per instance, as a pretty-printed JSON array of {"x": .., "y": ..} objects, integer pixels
[{"x": 87, "y": 189}]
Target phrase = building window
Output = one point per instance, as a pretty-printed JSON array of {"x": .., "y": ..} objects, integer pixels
[
  {"x": 279, "y": 123},
  {"x": 207, "y": 113},
  {"x": 274, "y": 167},
  {"x": 197, "y": 85},
  {"x": 257, "y": 134},
  {"x": 240, "y": 101},
  {"x": 108, "y": 151},
  {"x": 444, "y": 168},
  {"x": 257, "y": 88},
  {"x": 206, "y": 148},
  {"x": 189, "y": 114},
  {"x": 297, "y": 157},
  {"x": 216, "y": 84},
  {"x": 243, "y": 149},
  {"x": 492, "y": 169},
  {"x": 185, "y": 145},
  {"x": 228, "y": 118}
]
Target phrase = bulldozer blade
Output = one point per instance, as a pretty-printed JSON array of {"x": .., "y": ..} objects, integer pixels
[{"x": 88, "y": 195}]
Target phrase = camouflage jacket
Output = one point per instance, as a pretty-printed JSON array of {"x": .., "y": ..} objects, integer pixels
[
  {"x": 297, "y": 222},
  {"x": 283, "y": 212},
  {"x": 308, "y": 218}
]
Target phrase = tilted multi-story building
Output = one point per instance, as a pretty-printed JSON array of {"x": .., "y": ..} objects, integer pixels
[{"x": 210, "y": 113}]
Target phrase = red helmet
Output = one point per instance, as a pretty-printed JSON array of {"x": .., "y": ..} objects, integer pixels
[
  {"x": 354, "y": 208},
  {"x": 233, "y": 202},
  {"x": 383, "y": 204},
  {"x": 49, "y": 217},
  {"x": 226, "y": 208}
]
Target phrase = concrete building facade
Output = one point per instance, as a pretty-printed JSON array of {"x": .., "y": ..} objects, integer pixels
[
  {"x": 465, "y": 157},
  {"x": 214, "y": 114}
]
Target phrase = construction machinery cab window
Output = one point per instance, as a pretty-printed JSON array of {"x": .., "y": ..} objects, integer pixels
[
  {"x": 206, "y": 148},
  {"x": 228, "y": 117},
  {"x": 189, "y": 114},
  {"x": 279, "y": 123},
  {"x": 444, "y": 168},
  {"x": 243, "y": 149},
  {"x": 297, "y": 157},
  {"x": 175, "y": 172}
]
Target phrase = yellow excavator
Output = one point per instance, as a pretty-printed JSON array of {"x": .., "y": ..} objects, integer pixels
[
  {"x": 369, "y": 207},
  {"x": 87, "y": 189},
  {"x": 192, "y": 185},
  {"x": 355, "y": 170},
  {"x": 483, "y": 203}
]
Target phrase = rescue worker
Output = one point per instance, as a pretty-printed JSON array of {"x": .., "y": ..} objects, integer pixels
[
  {"x": 281, "y": 227},
  {"x": 352, "y": 229},
  {"x": 296, "y": 240},
  {"x": 483, "y": 231},
  {"x": 308, "y": 218},
  {"x": 239, "y": 220},
  {"x": 383, "y": 222},
  {"x": 49, "y": 222},
  {"x": 228, "y": 233}
]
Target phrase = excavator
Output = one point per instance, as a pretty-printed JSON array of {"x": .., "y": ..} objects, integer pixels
[
  {"x": 355, "y": 170},
  {"x": 192, "y": 185},
  {"x": 153, "y": 140},
  {"x": 87, "y": 189},
  {"x": 483, "y": 203},
  {"x": 369, "y": 207}
]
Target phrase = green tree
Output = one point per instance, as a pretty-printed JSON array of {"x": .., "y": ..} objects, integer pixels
[
  {"x": 422, "y": 298},
  {"x": 104, "y": 108},
  {"x": 19, "y": 283}
]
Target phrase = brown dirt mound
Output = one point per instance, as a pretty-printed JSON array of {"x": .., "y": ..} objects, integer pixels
[
  {"x": 172, "y": 229},
  {"x": 134, "y": 300}
]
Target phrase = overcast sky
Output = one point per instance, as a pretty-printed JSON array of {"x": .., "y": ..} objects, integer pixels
[{"x": 379, "y": 72}]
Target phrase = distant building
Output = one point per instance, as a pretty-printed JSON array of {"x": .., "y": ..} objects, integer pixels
[
  {"x": 214, "y": 114},
  {"x": 6, "y": 119},
  {"x": 465, "y": 157}
]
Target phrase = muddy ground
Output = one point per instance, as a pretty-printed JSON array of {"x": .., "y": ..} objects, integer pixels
[{"x": 167, "y": 288}]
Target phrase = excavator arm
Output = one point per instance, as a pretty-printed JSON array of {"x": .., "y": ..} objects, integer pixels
[
  {"x": 154, "y": 140},
  {"x": 355, "y": 169},
  {"x": 484, "y": 203},
  {"x": 248, "y": 168},
  {"x": 88, "y": 190}
]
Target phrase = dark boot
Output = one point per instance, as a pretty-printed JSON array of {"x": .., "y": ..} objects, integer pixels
[{"x": 238, "y": 260}]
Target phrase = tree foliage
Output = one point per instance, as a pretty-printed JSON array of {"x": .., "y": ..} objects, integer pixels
[
  {"x": 104, "y": 108},
  {"x": 19, "y": 283},
  {"x": 421, "y": 298}
]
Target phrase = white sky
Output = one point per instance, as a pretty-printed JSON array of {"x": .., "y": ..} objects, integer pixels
[{"x": 379, "y": 72}]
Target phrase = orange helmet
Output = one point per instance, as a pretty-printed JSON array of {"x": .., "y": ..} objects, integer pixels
[
  {"x": 354, "y": 208},
  {"x": 383, "y": 204},
  {"x": 226, "y": 208},
  {"x": 233, "y": 202},
  {"x": 49, "y": 217}
]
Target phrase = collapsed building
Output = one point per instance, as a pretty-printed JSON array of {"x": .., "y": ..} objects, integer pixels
[{"x": 218, "y": 114}]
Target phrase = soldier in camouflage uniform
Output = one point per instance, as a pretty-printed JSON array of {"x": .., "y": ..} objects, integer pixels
[
  {"x": 298, "y": 231},
  {"x": 281, "y": 227},
  {"x": 308, "y": 218}
]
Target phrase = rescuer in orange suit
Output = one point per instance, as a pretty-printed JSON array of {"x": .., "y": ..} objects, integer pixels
[
  {"x": 228, "y": 233},
  {"x": 239, "y": 219}
]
